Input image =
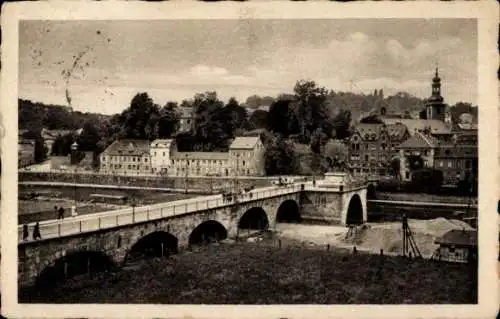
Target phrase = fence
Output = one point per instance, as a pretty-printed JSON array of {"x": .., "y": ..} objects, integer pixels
[{"x": 105, "y": 220}]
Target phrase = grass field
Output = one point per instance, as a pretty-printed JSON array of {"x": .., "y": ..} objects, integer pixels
[{"x": 257, "y": 273}]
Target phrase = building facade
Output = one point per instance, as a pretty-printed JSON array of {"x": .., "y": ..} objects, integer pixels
[
  {"x": 186, "y": 121},
  {"x": 415, "y": 153},
  {"x": 373, "y": 146},
  {"x": 128, "y": 157},
  {"x": 459, "y": 246},
  {"x": 245, "y": 157},
  {"x": 160, "y": 152}
]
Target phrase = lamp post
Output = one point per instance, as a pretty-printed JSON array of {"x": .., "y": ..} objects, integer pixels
[
  {"x": 187, "y": 172},
  {"x": 74, "y": 148},
  {"x": 236, "y": 181}
]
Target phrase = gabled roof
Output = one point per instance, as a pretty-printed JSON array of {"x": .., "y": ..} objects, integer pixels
[
  {"x": 369, "y": 131},
  {"x": 244, "y": 142},
  {"x": 396, "y": 131},
  {"x": 464, "y": 238},
  {"x": 419, "y": 125},
  {"x": 128, "y": 147},
  {"x": 163, "y": 143},
  {"x": 419, "y": 140}
]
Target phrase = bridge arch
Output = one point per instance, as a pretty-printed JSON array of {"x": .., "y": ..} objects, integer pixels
[
  {"x": 207, "y": 232},
  {"x": 73, "y": 264},
  {"x": 155, "y": 244},
  {"x": 354, "y": 214},
  {"x": 254, "y": 218},
  {"x": 288, "y": 212}
]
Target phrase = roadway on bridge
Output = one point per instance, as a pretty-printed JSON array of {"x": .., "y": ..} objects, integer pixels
[{"x": 93, "y": 222}]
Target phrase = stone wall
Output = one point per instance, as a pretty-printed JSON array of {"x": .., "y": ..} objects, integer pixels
[{"x": 205, "y": 183}]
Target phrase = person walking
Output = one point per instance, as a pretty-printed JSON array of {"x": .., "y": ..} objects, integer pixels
[
  {"x": 56, "y": 212},
  {"x": 61, "y": 213},
  {"x": 36, "y": 232},
  {"x": 25, "y": 232}
]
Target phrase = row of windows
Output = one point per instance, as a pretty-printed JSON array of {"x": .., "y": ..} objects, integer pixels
[
  {"x": 129, "y": 166},
  {"x": 123, "y": 158},
  {"x": 449, "y": 163}
]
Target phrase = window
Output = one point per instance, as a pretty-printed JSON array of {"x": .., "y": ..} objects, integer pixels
[
  {"x": 426, "y": 153},
  {"x": 128, "y": 166},
  {"x": 467, "y": 164},
  {"x": 133, "y": 159},
  {"x": 441, "y": 164},
  {"x": 449, "y": 164},
  {"x": 243, "y": 163},
  {"x": 366, "y": 157},
  {"x": 163, "y": 153},
  {"x": 407, "y": 175},
  {"x": 155, "y": 153}
]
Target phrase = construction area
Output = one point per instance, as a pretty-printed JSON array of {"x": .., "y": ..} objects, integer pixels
[{"x": 372, "y": 237}]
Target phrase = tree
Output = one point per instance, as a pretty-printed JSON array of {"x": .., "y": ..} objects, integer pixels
[
  {"x": 258, "y": 119},
  {"x": 281, "y": 119},
  {"x": 212, "y": 124},
  {"x": 89, "y": 137},
  {"x": 168, "y": 120},
  {"x": 139, "y": 120},
  {"x": 62, "y": 145},
  {"x": 40, "y": 150},
  {"x": 318, "y": 141},
  {"x": 310, "y": 108},
  {"x": 280, "y": 157},
  {"x": 342, "y": 124}
]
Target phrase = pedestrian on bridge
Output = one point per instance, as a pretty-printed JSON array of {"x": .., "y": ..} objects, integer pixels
[
  {"x": 36, "y": 232},
  {"x": 56, "y": 212},
  {"x": 61, "y": 213},
  {"x": 25, "y": 232}
]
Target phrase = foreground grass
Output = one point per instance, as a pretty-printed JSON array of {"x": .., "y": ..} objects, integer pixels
[{"x": 265, "y": 274}]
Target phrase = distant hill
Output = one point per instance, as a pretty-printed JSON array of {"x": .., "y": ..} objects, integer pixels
[{"x": 34, "y": 116}]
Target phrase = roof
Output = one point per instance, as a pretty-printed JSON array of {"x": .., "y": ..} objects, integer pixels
[
  {"x": 396, "y": 131},
  {"x": 468, "y": 126},
  {"x": 55, "y": 133},
  {"x": 372, "y": 129},
  {"x": 165, "y": 143},
  {"x": 467, "y": 238},
  {"x": 418, "y": 125},
  {"x": 419, "y": 140},
  {"x": 244, "y": 142},
  {"x": 200, "y": 155},
  {"x": 129, "y": 147}
]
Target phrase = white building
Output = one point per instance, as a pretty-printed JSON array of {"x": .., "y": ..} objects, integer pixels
[{"x": 160, "y": 152}]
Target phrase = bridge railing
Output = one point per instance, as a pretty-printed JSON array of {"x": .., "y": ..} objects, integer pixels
[{"x": 110, "y": 219}]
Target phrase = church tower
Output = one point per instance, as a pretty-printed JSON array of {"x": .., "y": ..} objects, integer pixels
[{"x": 435, "y": 108}]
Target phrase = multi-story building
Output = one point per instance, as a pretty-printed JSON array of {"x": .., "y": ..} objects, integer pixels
[
  {"x": 244, "y": 158},
  {"x": 247, "y": 156},
  {"x": 458, "y": 160},
  {"x": 160, "y": 152},
  {"x": 372, "y": 146},
  {"x": 186, "y": 121},
  {"x": 416, "y": 152},
  {"x": 128, "y": 156},
  {"x": 199, "y": 163}
]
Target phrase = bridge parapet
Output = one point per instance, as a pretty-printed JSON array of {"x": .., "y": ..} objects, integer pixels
[{"x": 95, "y": 222}]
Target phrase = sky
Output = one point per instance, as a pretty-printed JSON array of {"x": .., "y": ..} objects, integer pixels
[{"x": 103, "y": 64}]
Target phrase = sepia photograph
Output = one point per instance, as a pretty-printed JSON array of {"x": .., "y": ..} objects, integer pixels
[{"x": 248, "y": 160}]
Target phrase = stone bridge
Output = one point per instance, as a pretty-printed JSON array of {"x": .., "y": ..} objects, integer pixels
[{"x": 111, "y": 239}]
